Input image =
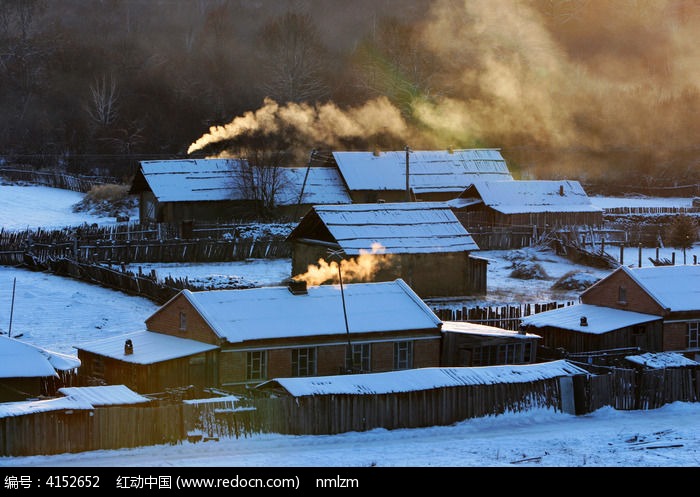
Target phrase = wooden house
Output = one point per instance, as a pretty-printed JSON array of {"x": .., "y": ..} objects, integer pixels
[
  {"x": 472, "y": 344},
  {"x": 524, "y": 210},
  {"x": 671, "y": 292},
  {"x": 586, "y": 330},
  {"x": 27, "y": 371},
  {"x": 422, "y": 243},
  {"x": 411, "y": 399},
  {"x": 232, "y": 339},
  {"x": 208, "y": 190},
  {"x": 148, "y": 362},
  {"x": 429, "y": 175}
]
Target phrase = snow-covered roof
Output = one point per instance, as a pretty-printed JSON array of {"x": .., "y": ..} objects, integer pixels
[
  {"x": 104, "y": 395},
  {"x": 411, "y": 380},
  {"x": 674, "y": 287},
  {"x": 662, "y": 360},
  {"x": 9, "y": 409},
  {"x": 429, "y": 170},
  {"x": 22, "y": 360},
  {"x": 600, "y": 319},
  {"x": 193, "y": 180},
  {"x": 482, "y": 330},
  {"x": 212, "y": 400},
  {"x": 149, "y": 347},
  {"x": 515, "y": 197},
  {"x": 274, "y": 312},
  {"x": 398, "y": 228}
]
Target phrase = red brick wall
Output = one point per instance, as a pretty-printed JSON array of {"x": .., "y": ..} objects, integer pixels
[
  {"x": 426, "y": 353},
  {"x": 279, "y": 363},
  {"x": 675, "y": 336},
  {"x": 605, "y": 293},
  {"x": 167, "y": 321},
  {"x": 232, "y": 366},
  {"x": 382, "y": 356},
  {"x": 330, "y": 359}
]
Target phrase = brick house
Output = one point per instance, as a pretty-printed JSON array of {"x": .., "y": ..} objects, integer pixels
[
  {"x": 255, "y": 334},
  {"x": 672, "y": 292}
]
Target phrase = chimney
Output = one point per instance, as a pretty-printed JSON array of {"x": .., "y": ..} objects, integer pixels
[
  {"x": 584, "y": 321},
  {"x": 561, "y": 190},
  {"x": 128, "y": 347},
  {"x": 376, "y": 152},
  {"x": 297, "y": 287}
]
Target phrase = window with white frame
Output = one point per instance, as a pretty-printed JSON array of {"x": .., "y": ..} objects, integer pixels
[
  {"x": 304, "y": 362},
  {"x": 256, "y": 365},
  {"x": 693, "y": 335},
  {"x": 357, "y": 357},
  {"x": 403, "y": 355}
]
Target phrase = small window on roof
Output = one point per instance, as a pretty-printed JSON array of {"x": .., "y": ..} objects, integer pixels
[
  {"x": 183, "y": 321},
  {"x": 621, "y": 295}
]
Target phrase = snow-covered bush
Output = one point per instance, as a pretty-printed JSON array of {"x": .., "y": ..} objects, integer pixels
[
  {"x": 575, "y": 280},
  {"x": 528, "y": 270},
  {"x": 107, "y": 200}
]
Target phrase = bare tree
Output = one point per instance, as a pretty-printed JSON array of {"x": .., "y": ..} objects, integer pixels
[
  {"x": 294, "y": 57},
  {"x": 102, "y": 106}
]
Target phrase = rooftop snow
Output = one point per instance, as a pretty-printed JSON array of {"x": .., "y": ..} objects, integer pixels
[
  {"x": 429, "y": 170},
  {"x": 274, "y": 312},
  {"x": 9, "y": 409},
  {"x": 400, "y": 228},
  {"x": 482, "y": 330},
  {"x": 661, "y": 360},
  {"x": 675, "y": 287},
  {"x": 22, "y": 360},
  {"x": 105, "y": 395},
  {"x": 194, "y": 180},
  {"x": 149, "y": 347},
  {"x": 514, "y": 197},
  {"x": 412, "y": 380},
  {"x": 600, "y": 319}
]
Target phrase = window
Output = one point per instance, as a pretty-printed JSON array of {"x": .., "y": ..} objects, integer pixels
[
  {"x": 621, "y": 295},
  {"x": 98, "y": 367},
  {"x": 403, "y": 355},
  {"x": 304, "y": 362},
  {"x": 256, "y": 365},
  {"x": 183, "y": 321},
  {"x": 693, "y": 334},
  {"x": 357, "y": 357}
]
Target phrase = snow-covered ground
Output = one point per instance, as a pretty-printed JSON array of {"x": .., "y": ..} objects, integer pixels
[{"x": 57, "y": 313}]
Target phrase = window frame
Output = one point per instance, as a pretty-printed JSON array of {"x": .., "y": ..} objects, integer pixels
[
  {"x": 253, "y": 356},
  {"x": 403, "y": 355},
  {"x": 304, "y": 361}
]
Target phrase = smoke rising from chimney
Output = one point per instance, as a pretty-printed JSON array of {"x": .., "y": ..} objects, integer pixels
[
  {"x": 323, "y": 123},
  {"x": 358, "y": 269}
]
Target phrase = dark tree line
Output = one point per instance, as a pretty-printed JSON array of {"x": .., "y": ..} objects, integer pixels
[{"x": 585, "y": 89}]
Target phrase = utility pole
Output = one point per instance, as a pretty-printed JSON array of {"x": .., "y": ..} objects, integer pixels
[
  {"x": 12, "y": 307},
  {"x": 408, "y": 185}
]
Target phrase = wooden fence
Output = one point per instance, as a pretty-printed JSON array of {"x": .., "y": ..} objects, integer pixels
[
  {"x": 80, "y": 430},
  {"x": 502, "y": 316},
  {"x": 55, "y": 179},
  {"x": 629, "y": 389}
]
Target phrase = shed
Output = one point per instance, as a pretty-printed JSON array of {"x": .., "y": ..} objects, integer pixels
[
  {"x": 525, "y": 209},
  {"x": 222, "y": 189},
  {"x": 472, "y": 344},
  {"x": 27, "y": 371},
  {"x": 433, "y": 175},
  {"x": 661, "y": 360},
  {"x": 148, "y": 362},
  {"x": 408, "y": 399},
  {"x": 422, "y": 243},
  {"x": 594, "y": 329}
]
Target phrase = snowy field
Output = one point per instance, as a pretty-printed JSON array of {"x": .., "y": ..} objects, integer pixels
[{"x": 57, "y": 313}]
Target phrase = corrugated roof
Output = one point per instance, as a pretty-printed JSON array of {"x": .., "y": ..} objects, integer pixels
[
  {"x": 9, "y": 409},
  {"x": 482, "y": 330},
  {"x": 662, "y": 360},
  {"x": 399, "y": 228},
  {"x": 600, "y": 319},
  {"x": 429, "y": 170},
  {"x": 675, "y": 287},
  {"x": 274, "y": 312},
  {"x": 104, "y": 395},
  {"x": 516, "y": 197},
  {"x": 193, "y": 180},
  {"x": 22, "y": 360},
  {"x": 149, "y": 347},
  {"x": 412, "y": 380}
]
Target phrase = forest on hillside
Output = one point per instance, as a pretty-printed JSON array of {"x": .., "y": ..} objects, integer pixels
[{"x": 604, "y": 92}]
